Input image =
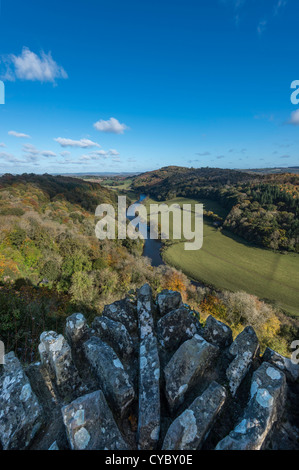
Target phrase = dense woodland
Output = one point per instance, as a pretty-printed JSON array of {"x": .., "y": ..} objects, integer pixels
[
  {"x": 52, "y": 265},
  {"x": 263, "y": 209}
]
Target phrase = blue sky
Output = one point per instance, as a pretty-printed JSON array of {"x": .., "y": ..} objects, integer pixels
[{"x": 135, "y": 85}]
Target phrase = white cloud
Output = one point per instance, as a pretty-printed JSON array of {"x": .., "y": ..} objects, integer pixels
[
  {"x": 65, "y": 153},
  {"x": 82, "y": 143},
  {"x": 32, "y": 153},
  {"x": 19, "y": 135},
  {"x": 31, "y": 149},
  {"x": 112, "y": 125},
  {"x": 48, "y": 153},
  {"x": 294, "y": 118},
  {"x": 8, "y": 157},
  {"x": 101, "y": 153},
  {"x": 113, "y": 152},
  {"x": 261, "y": 27},
  {"x": 30, "y": 66},
  {"x": 279, "y": 5},
  {"x": 2, "y": 145}
]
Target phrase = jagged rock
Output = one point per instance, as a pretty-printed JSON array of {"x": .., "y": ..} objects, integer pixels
[
  {"x": 186, "y": 367},
  {"x": 149, "y": 373},
  {"x": 145, "y": 310},
  {"x": 286, "y": 437},
  {"x": 268, "y": 388},
  {"x": 149, "y": 394},
  {"x": 189, "y": 430},
  {"x": 122, "y": 311},
  {"x": 285, "y": 364},
  {"x": 115, "y": 334},
  {"x": 244, "y": 348},
  {"x": 113, "y": 379},
  {"x": 168, "y": 300},
  {"x": 90, "y": 424},
  {"x": 101, "y": 358},
  {"x": 76, "y": 328},
  {"x": 217, "y": 333},
  {"x": 21, "y": 415},
  {"x": 176, "y": 327},
  {"x": 56, "y": 356},
  {"x": 54, "y": 446}
]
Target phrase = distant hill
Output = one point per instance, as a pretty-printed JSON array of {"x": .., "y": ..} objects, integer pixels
[
  {"x": 53, "y": 188},
  {"x": 268, "y": 171}
]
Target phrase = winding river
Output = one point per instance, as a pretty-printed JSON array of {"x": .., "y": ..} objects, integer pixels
[{"x": 152, "y": 248}]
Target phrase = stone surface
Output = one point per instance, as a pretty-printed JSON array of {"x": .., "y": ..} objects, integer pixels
[
  {"x": 149, "y": 373},
  {"x": 149, "y": 394},
  {"x": 283, "y": 363},
  {"x": 115, "y": 334},
  {"x": 267, "y": 397},
  {"x": 90, "y": 424},
  {"x": 186, "y": 367},
  {"x": 76, "y": 328},
  {"x": 56, "y": 356},
  {"x": 113, "y": 379},
  {"x": 145, "y": 311},
  {"x": 188, "y": 431},
  {"x": 21, "y": 415},
  {"x": 244, "y": 348},
  {"x": 168, "y": 300},
  {"x": 217, "y": 333},
  {"x": 184, "y": 407},
  {"x": 54, "y": 446},
  {"x": 176, "y": 327},
  {"x": 122, "y": 311}
]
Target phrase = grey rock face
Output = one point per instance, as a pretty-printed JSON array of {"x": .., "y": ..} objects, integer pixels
[
  {"x": 76, "y": 328},
  {"x": 283, "y": 363},
  {"x": 244, "y": 348},
  {"x": 217, "y": 333},
  {"x": 21, "y": 416},
  {"x": 265, "y": 406},
  {"x": 56, "y": 356},
  {"x": 149, "y": 374},
  {"x": 176, "y": 327},
  {"x": 115, "y": 333},
  {"x": 188, "y": 431},
  {"x": 56, "y": 403},
  {"x": 113, "y": 379},
  {"x": 186, "y": 367},
  {"x": 169, "y": 300},
  {"x": 122, "y": 311},
  {"x": 149, "y": 394},
  {"x": 145, "y": 311},
  {"x": 90, "y": 424}
]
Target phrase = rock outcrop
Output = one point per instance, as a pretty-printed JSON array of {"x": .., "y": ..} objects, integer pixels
[{"x": 147, "y": 375}]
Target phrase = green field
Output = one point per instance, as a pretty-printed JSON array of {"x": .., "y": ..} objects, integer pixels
[{"x": 228, "y": 262}]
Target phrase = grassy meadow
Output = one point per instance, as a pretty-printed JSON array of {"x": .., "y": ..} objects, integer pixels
[{"x": 228, "y": 262}]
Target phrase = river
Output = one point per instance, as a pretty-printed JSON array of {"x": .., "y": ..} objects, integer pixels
[{"x": 152, "y": 248}]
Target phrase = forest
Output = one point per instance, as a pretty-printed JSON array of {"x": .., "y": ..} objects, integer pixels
[
  {"x": 52, "y": 265},
  {"x": 262, "y": 209}
]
